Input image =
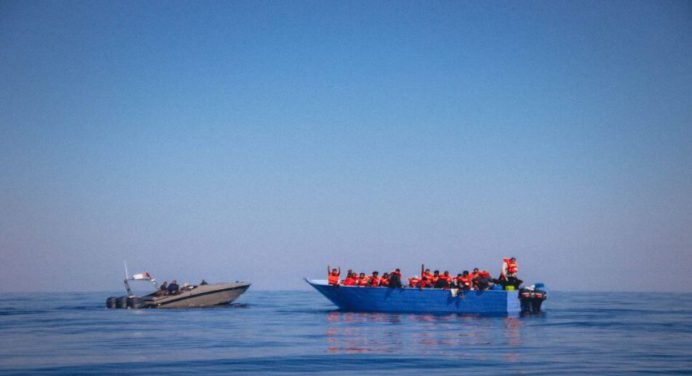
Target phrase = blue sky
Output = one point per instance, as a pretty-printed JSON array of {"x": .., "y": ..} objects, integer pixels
[{"x": 263, "y": 140}]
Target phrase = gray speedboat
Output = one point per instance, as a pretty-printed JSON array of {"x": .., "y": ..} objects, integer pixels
[{"x": 194, "y": 296}]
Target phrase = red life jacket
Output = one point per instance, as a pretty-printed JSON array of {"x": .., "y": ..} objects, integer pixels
[
  {"x": 464, "y": 281},
  {"x": 333, "y": 278},
  {"x": 413, "y": 282},
  {"x": 511, "y": 266},
  {"x": 384, "y": 282},
  {"x": 424, "y": 282},
  {"x": 374, "y": 281},
  {"x": 363, "y": 281},
  {"x": 349, "y": 281}
]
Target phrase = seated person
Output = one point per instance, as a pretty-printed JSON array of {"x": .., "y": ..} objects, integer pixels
[
  {"x": 444, "y": 281},
  {"x": 163, "y": 289},
  {"x": 363, "y": 280},
  {"x": 173, "y": 288},
  {"x": 482, "y": 280},
  {"x": 351, "y": 279},
  {"x": 384, "y": 281}
]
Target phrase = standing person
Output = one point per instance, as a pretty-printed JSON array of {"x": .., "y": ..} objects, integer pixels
[
  {"x": 333, "y": 276},
  {"x": 395, "y": 279},
  {"x": 509, "y": 271}
]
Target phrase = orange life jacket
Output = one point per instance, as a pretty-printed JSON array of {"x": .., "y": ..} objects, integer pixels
[
  {"x": 349, "y": 281},
  {"x": 363, "y": 281},
  {"x": 384, "y": 282},
  {"x": 333, "y": 278},
  {"x": 413, "y": 282}
]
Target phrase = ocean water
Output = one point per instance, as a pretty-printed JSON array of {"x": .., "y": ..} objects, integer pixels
[{"x": 300, "y": 332}]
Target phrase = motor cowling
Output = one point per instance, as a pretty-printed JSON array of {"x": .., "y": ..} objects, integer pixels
[{"x": 532, "y": 298}]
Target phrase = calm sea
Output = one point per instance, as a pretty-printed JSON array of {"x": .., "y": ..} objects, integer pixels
[{"x": 299, "y": 332}]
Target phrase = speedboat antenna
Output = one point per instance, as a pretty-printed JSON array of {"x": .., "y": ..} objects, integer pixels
[{"x": 127, "y": 285}]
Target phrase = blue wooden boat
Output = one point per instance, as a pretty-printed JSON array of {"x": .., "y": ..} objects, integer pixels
[{"x": 415, "y": 300}]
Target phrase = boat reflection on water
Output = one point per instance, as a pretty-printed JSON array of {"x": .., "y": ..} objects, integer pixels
[{"x": 458, "y": 336}]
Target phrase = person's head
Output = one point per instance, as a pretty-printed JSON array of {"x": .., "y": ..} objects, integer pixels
[
  {"x": 375, "y": 272},
  {"x": 437, "y": 272},
  {"x": 513, "y": 259},
  {"x": 174, "y": 281},
  {"x": 427, "y": 270},
  {"x": 362, "y": 274},
  {"x": 334, "y": 270},
  {"x": 475, "y": 270},
  {"x": 459, "y": 275},
  {"x": 446, "y": 272},
  {"x": 385, "y": 275},
  {"x": 465, "y": 272},
  {"x": 397, "y": 270}
]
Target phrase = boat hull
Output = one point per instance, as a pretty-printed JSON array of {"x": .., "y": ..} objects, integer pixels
[
  {"x": 202, "y": 296},
  {"x": 198, "y": 297},
  {"x": 414, "y": 300}
]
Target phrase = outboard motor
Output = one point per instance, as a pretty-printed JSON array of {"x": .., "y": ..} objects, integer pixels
[
  {"x": 532, "y": 298},
  {"x": 121, "y": 302}
]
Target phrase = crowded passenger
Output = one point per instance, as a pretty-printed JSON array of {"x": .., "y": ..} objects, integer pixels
[
  {"x": 384, "y": 281},
  {"x": 350, "y": 279},
  {"x": 374, "y": 279},
  {"x": 333, "y": 276},
  {"x": 395, "y": 279},
  {"x": 478, "y": 279},
  {"x": 363, "y": 280}
]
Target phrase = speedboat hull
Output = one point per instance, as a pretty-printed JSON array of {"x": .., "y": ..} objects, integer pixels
[
  {"x": 415, "y": 300},
  {"x": 198, "y": 297},
  {"x": 202, "y": 296}
]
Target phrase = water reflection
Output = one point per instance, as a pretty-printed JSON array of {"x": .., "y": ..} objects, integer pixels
[{"x": 440, "y": 335}]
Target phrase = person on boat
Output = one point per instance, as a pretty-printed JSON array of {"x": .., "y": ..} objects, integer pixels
[
  {"x": 203, "y": 283},
  {"x": 482, "y": 279},
  {"x": 435, "y": 277},
  {"x": 508, "y": 277},
  {"x": 395, "y": 279},
  {"x": 426, "y": 274},
  {"x": 333, "y": 276},
  {"x": 425, "y": 283},
  {"x": 350, "y": 279},
  {"x": 374, "y": 279},
  {"x": 463, "y": 280},
  {"x": 413, "y": 281},
  {"x": 173, "y": 287},
  {"x": 384, "y": 281},
  {"x": 444, "y": 281},
  {"x": 363, "y": 281},
  {"x": 163, "y": 289}
]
